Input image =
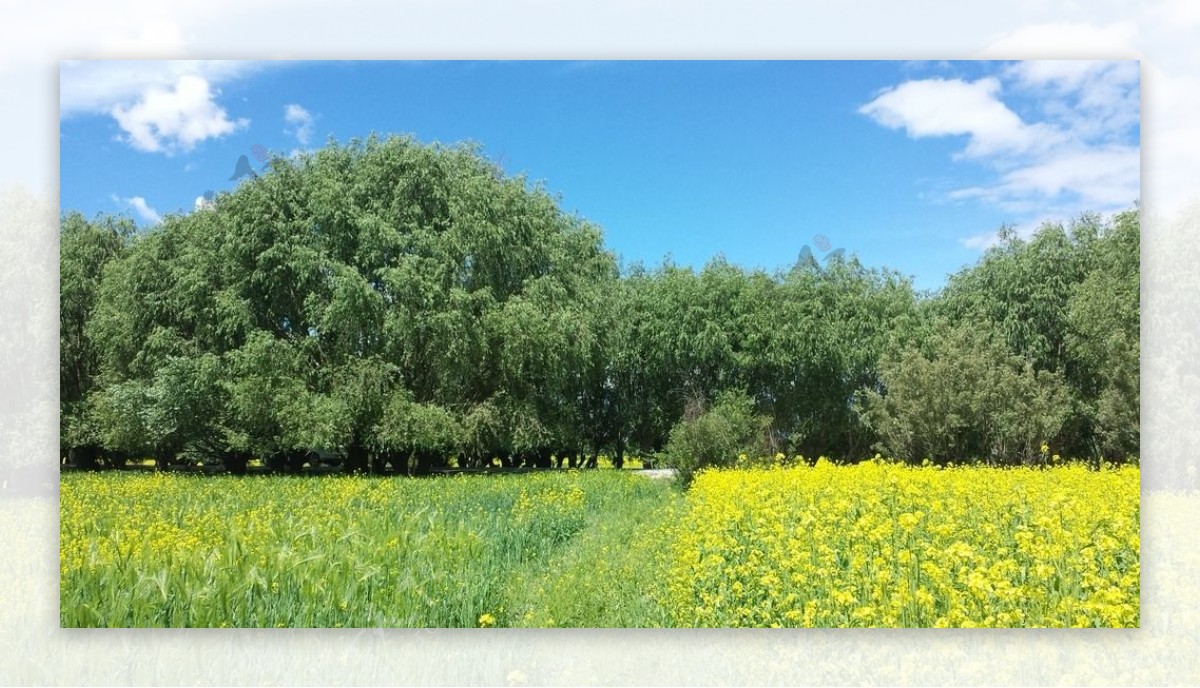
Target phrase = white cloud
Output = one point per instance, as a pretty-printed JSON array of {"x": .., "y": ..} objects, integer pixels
[
  {"x": 300, "y": 123},
  {"x": 1067, "y": 74},
  {"x": 141, "y": 207},
  {"x": 950, "y": 107},
  {"x": 1161, "y": 38},
  {"x": 1102, "y": 179},
  {"x": 166, "y": 120},
  {"x": 1171, "y": 132},
  {"x": 203, "y": 203},
  {"x": 1075, "y": 148},
  {"x": 981, "y": 242},
  {"x": 1091, "y": 98},
  {"x": 96, "y": 87},
  {"x": 1105, "y": 178}
]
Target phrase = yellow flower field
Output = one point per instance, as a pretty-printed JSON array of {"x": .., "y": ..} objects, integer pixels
[
  {"x": 884, "y": 545},
  {"x": 866, "y": 545}
]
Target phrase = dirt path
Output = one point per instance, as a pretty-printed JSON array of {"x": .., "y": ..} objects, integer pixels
[{"x": 658, "y": 473}]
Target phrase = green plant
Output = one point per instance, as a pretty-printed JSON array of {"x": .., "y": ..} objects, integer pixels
[{"x": 710, "y": 437}]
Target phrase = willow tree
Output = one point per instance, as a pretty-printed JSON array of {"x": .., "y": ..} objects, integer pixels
[
  {"x": 86, "y": 248},
  {"x": 1103, "y": 339},
  {"x": 1067, "y": 299},
  {"x": 367, "y": 298}
]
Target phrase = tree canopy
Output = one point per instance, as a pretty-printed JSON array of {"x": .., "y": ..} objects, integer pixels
[{"x": 403, "y": 305}]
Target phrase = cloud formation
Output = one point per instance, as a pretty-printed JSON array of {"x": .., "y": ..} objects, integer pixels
[
  {"x": 299, "y": 123},
  {"x": 948, "y": 107},
  {"x": 165, "y": 120},
  {"x": 1075, "y": 148},
  {"x": 1102, "y": 177},
  {"x": 96, "y": 87},
  {"x": 141, "y": 208}
]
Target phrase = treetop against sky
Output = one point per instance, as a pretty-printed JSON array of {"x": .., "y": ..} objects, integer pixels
[{"x": 912, "y": 165}]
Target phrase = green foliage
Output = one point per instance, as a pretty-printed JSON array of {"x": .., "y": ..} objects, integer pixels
[
  {"x": 1103, "y": 339},
  {"x": 407, "y": 424},
  {"x": 351, "y": 277},
  {"x": 1024, "y": 287},
  {"x": 801, "y": 342},
  {"x": 85, "y": 250},
  {"x": 181, "y": 407},
  {"x": 391, "y": 297},
  {"x": 1068, "y": 299},
  {"x": 713, "y": 437},
  {"x": 963, "y": 396}
]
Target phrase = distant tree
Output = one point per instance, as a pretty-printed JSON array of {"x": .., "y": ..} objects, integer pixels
[
  {"x": 962, "y": 396},
  {"x": 402, "y": 304},
  {"x": 1103, "y": 331},
  {"x": 86, "y": 248}
]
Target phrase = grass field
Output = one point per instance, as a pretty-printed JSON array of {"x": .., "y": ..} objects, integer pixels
[
  {"x": 171, "y": 550},
  {"x": 869, "y": 545}
]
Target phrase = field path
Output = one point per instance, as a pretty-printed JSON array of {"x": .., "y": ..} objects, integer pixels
[{"x": 657, "y": 473}]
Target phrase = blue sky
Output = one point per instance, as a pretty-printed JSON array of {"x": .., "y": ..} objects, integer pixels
[{"x": 909, "y": 165}]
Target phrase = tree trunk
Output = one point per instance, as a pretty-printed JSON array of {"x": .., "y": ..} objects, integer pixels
[
  {"x": 83, "y": 457},
  {"x": 356, "y": 458},
  {"x": 235, "y": 462},
  {"x": 163, "y": 459}
]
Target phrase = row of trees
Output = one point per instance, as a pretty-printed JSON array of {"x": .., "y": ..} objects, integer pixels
[{"x": 404, "y": 305}]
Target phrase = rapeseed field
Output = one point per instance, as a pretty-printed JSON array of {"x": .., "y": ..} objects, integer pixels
[
  {"x": 885, "y": 545},
  {"x": 867, "y": 545}
]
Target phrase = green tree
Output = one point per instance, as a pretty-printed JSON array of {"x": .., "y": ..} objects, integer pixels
[
  {"x": 401, "y": 304},
  {"x": 1103, "y": 339},
  {"x": 349, "y": 290},
  {"x": 714, "y": 437},
  {"x": 85, "y": 250},
  {"x": 962, "y": 396},
  {"x": 1067, "y": 299}
]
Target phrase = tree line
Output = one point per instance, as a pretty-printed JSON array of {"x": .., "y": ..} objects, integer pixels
[{"x": 406, "y": 306}]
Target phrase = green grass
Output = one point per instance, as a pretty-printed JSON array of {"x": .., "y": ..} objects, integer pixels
[
  {"x": 611, "y": 575},
  {"x": 178, "y": 550}
]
